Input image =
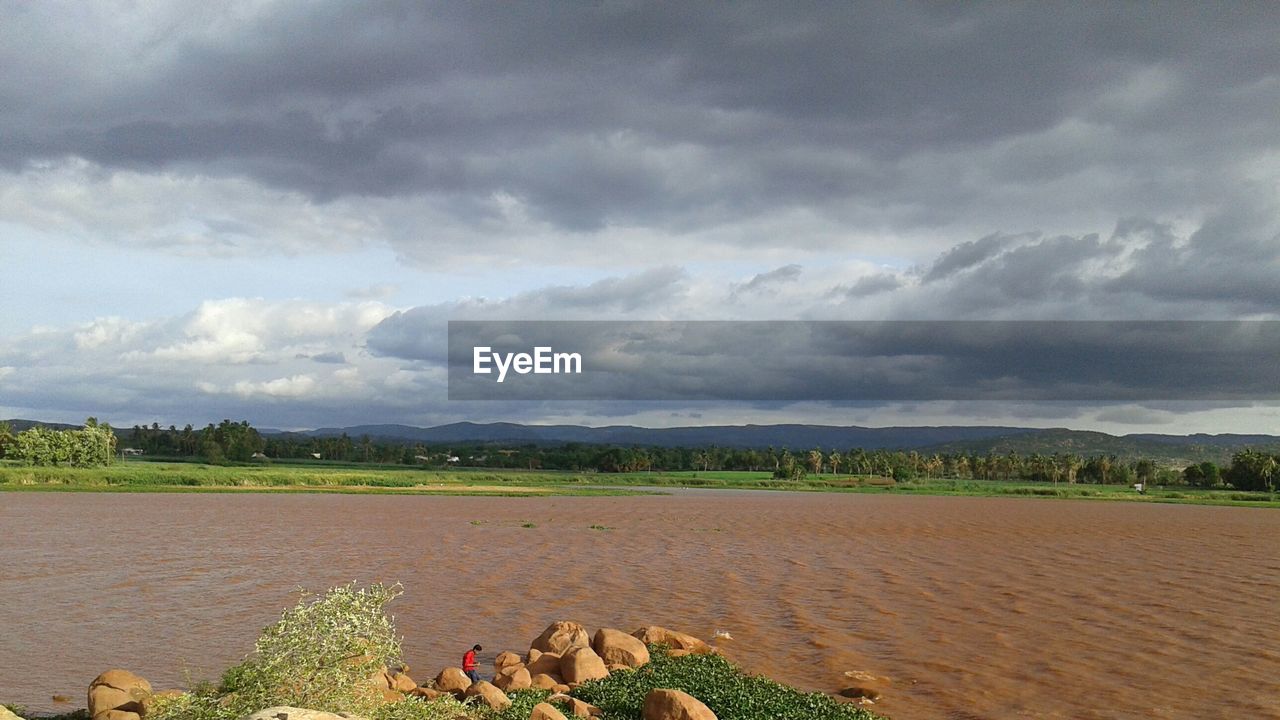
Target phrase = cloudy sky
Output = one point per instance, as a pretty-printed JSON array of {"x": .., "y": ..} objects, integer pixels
[{"x": 268, "y": 210}]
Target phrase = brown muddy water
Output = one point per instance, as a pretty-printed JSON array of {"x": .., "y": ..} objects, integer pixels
[{"x": 974, "y": 607}]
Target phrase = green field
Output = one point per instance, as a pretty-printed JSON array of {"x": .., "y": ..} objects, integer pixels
[{"x": 150, "y": 476}]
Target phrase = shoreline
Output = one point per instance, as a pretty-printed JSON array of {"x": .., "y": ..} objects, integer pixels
[{"x": 497, "y": 484}]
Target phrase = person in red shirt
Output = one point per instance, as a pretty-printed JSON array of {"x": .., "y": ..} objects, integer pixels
[{"x": 469, "y": 664}]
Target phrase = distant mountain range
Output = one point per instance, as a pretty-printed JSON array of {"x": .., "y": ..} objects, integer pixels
[
  {"x": 961, "y": 438},
  {"x": 741, "y": 436}
]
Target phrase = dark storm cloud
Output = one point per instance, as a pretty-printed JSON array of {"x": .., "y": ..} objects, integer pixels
[
  {"x": 1228, "y": 267},
  {"x": 784, "y": 274},
  {"x": 868, "y": 286},
  {"x": 420, "y": 334},
  {"x": 966, "y": 255},
  {"x": 662, "y": 116},
  {"x": 1095, "y": 362}
]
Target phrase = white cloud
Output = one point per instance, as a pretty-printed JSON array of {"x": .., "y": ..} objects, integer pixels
[
  {"x": 296, "y": 386},
  {"x": 179, "y": 212}
]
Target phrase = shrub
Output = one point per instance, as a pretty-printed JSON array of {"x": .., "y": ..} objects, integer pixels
[
  {"x": 202, "y": 704},
  {"x": 321, "y": 655},
  {"x": 730, "y": 693}
]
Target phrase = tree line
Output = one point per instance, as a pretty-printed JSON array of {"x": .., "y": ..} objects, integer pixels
[
  {"x": 231, "y": 441},
  {"x": 90, "y": 446}
]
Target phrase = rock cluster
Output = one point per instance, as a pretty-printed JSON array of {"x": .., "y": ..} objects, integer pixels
[{"x": 564, "y": 656}]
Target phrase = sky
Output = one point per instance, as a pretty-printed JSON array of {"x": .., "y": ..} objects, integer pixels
[{"x": 268, "y": 210}]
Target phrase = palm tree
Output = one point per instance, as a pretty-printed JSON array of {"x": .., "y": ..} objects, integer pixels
[{"x": 815, "y": 461}]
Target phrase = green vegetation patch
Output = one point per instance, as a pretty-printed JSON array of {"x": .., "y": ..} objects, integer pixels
[{"x": 731, "y": 693}]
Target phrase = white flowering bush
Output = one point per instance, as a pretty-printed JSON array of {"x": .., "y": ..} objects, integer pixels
[{"x": 321, "y": 654}]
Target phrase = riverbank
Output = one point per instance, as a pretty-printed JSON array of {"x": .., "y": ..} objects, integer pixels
[
  {"x": 141, "y": 476},
  {"x": 340, "y": 653}
]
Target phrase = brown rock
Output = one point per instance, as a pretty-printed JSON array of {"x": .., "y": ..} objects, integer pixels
[
  {"x": 582, "y": 664},
  {"x": 505, "y": 659},
  {"x": 561, "y": 688},
  {"x": 548, "y": 663},
  {"x": 675, "y": 640},
  {"x": 118, "y": 690},
  {"x": 382, "y": 679},
  {"x": 452, "y": 680},
  {"x": 402, "y": 682},
  {"x": 517, "y": 679},
  {"x": 544, "y": 711},
  {"x": 490, "y": 694},
  {"x": 427, "y": 693},
  {"x": 577, "y": 707},
  {"x": 389, "y": 695},
  {"x": 543, "y": 681},
  {"x": 674, "y": 705},
  {"x": 560, "y": 636},
  {"x": 617, "y": 647}
]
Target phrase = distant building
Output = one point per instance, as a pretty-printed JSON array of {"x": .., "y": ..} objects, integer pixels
[{"x": 131, "y": 451}]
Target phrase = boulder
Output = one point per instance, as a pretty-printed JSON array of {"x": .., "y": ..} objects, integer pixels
[
  {"x": 548, "y": 663},
  {"x": 490, "y": 694},
  {"x": 652, "y": 634},
  {"x": 427, "y": 693},
  {"x": 284, "y": 712},
  {"x": 517, "y": 679},
  {"x": 118, "y": 715},
  {"x": 543, "y": 681},
  {"x": 452, "y": 680},
  {"x": 578, "y": 707},
  {"x": 401, "y": 682},
  {"x": 7, "y": 714},
  {"x": 582, "y": 664},
  {"x": 118, "y": 690},
  {"x": 544, "y": 711},
  {"x": 382, "y": 679},
  {"x": 674, "y": 705},
  {"x": 560, "y": 636},
  {"x": 389, "y": 695},
  {"x": 505, "y": 659},
  {"x": 618, "y": 648}
]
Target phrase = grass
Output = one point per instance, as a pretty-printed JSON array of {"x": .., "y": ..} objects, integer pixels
[{"x": 319, "y": 476}]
